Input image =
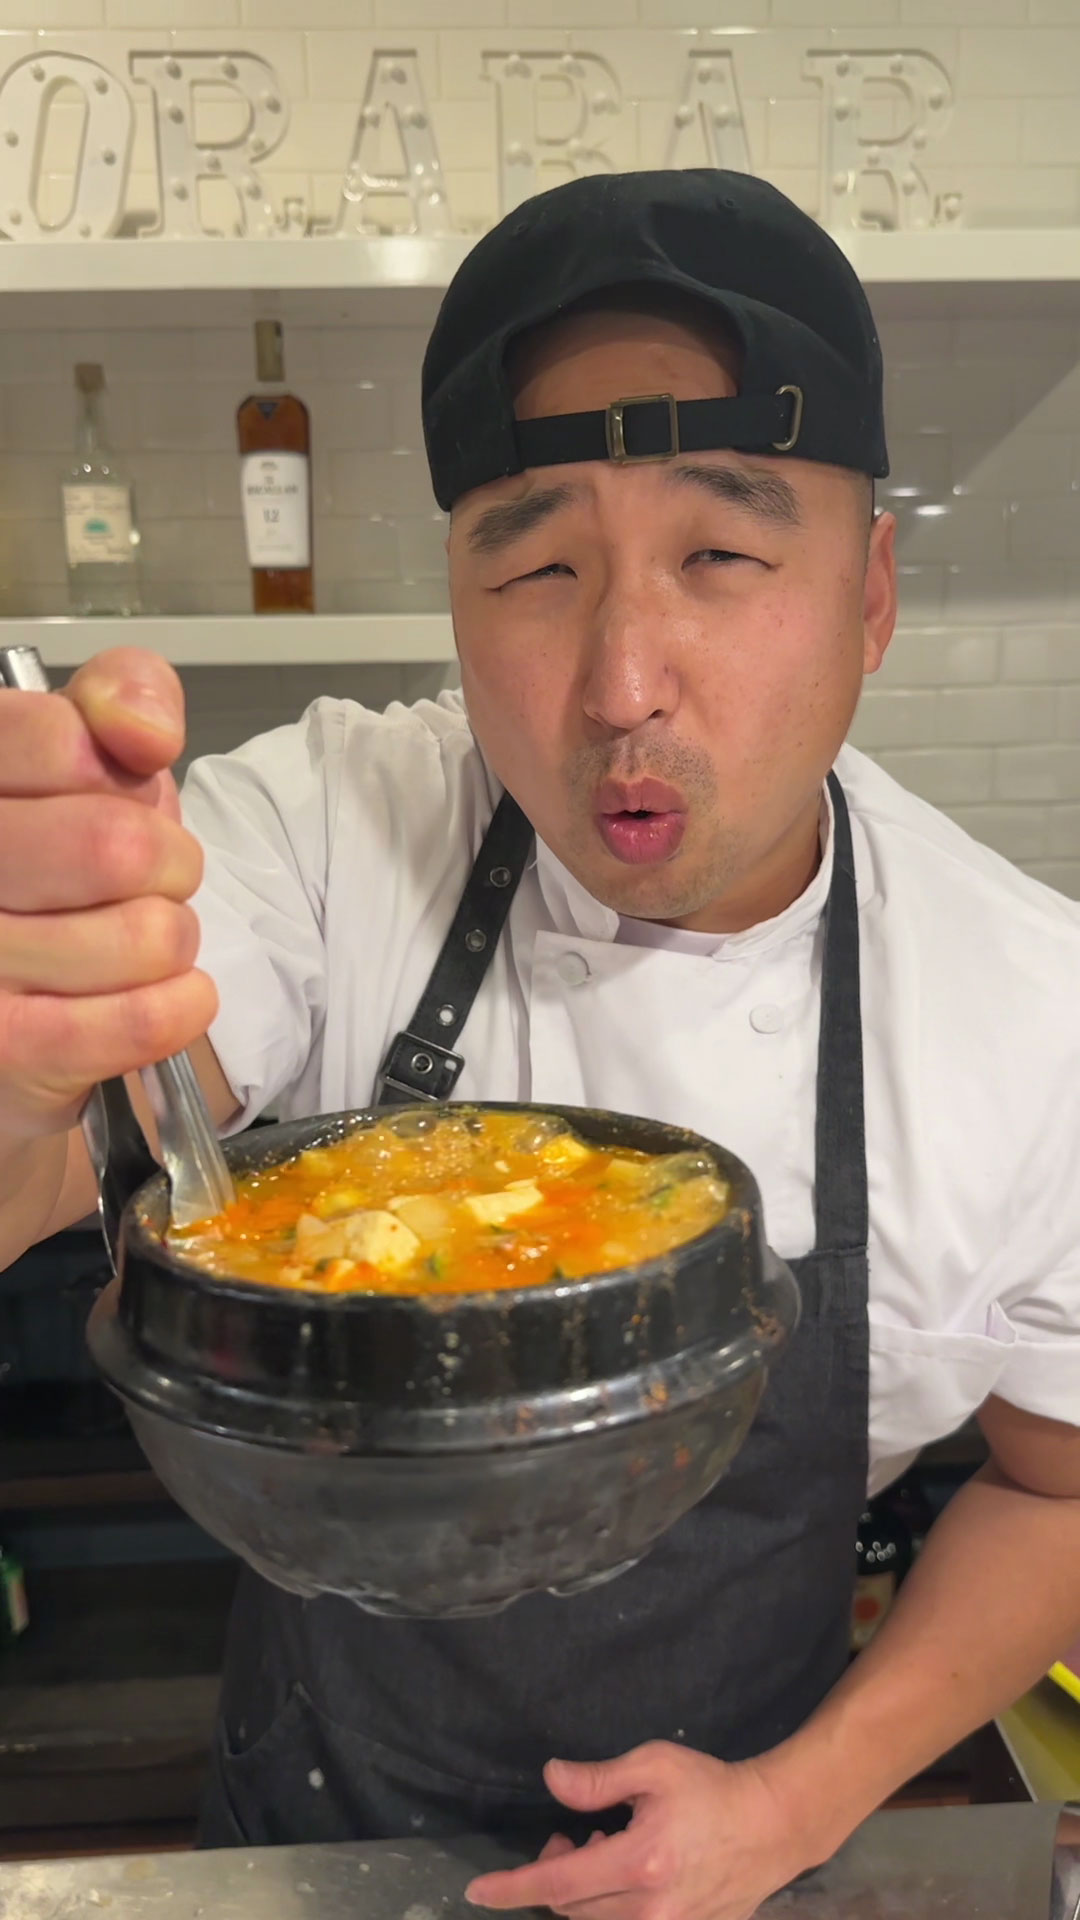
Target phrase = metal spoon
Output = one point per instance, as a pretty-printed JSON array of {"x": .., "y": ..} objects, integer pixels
[{"x": 198, "y": 1176}]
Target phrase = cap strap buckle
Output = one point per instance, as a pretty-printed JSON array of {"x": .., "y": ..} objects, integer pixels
[
  {"x": 614, "y": 431},
  {"x": 785, "y": 446}
]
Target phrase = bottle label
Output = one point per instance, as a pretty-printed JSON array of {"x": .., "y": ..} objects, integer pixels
[
  {"x": 874, "y": 1595},
  {"x": 275, "y": 490},
  {"x": 97, "y": 525}
]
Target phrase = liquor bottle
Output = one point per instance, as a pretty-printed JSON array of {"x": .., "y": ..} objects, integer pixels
[
  {"x": 273, "y": 433},
  {"x": 98, "y": 503},
  {"x": 882, "y": 1558}
]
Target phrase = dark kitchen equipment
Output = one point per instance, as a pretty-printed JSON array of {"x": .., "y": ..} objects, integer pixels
[{"x": 445, "y": 1454}]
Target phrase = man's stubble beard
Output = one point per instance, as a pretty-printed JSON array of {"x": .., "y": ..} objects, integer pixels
[{"x": 694, "y": 878}]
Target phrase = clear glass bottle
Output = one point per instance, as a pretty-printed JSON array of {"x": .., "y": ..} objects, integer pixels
[{"x": 100, "y": 533}]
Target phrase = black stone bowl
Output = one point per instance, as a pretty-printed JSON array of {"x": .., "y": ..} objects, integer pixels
[{"x": 443, "y": 1455}]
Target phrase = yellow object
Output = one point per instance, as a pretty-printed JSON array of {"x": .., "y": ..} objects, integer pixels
[
  {"x": 1042, "y": 1732},
  {"x": 1066, "y": 1678}
]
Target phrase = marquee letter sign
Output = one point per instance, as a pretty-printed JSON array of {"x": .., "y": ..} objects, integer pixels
[
  {"x": 27, "y": 92},
  {"x": 709, "y": 129},
  {"x": 394, "y": 94},
  {"x": 922, "y": 86},
  {"x": 592, "y": 96},
  {"x": 555, "y": 113},
  {"x": 183, "y": 160}
]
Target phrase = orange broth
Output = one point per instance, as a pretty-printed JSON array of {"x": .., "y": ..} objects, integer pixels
[{"x": 469, "y": 1201}]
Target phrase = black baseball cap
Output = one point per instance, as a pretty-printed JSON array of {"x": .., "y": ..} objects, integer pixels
[{"x": 811, "y": 382}]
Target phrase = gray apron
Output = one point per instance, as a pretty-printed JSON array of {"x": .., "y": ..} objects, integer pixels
[{"x": 341, "y": 1725}]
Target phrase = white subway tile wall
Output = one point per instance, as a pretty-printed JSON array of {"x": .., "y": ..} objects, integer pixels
[{"x": 978, "y": 705}]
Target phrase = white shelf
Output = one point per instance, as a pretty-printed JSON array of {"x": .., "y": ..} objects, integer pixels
[
  {"x": 230, "y": 640},
  {"x": 321, "y": 262},
  {"x": 340, "y": 264},
  {"x": 963, "y": 256}
]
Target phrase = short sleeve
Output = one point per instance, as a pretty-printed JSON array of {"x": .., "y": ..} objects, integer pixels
[
  {"x": 261, "y": 814},
  {"x": 1042, "y": 1374}
]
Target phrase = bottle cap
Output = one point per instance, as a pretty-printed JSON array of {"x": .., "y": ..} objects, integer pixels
[{"x": 89, "y": 377}]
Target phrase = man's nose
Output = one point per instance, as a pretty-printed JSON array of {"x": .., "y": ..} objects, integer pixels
[{"x": 629, "y": 670}]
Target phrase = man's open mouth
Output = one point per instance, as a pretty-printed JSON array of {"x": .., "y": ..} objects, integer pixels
[{"x": 641, "y": 822}]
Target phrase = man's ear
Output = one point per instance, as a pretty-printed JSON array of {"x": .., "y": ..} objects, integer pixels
[{"x": 879, "y": 591}]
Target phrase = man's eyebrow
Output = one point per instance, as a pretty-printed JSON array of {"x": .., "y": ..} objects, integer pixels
[
  {"x": 497, "y": 526},
  {"x": 766, "y": 495}
]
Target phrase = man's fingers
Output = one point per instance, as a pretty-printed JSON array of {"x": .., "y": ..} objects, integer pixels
[
  {"x": 102, "y": 950},
  {"x": 47, "y": 747},
  {"x": 162, "y": 793},
  {"x": 133, "y": 703},
  {"x": 557, "y": 1845},
  {"x": 91, "y": 849},
  {"x": 590, "y": 1785},
  {"x": 611, "y": 1866},
  {"x": 95, "y": 1036},
  {"x": 97, "y": 945},
  {"x": 612, "y": 1906}
]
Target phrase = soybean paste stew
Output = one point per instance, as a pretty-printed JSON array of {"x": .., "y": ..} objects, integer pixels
[{"x": 425, "y": 1203}]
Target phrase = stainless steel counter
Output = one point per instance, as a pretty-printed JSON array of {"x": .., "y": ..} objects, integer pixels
[{"x": 969, "y": 1863}]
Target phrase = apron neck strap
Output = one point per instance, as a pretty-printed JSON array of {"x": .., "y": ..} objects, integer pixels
[
  {"x": 421, "y": 1063},
  {"x": 841, "y": 1202}
]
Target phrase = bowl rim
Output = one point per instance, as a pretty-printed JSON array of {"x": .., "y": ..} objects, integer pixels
[{"x": 743, "y": 1215}]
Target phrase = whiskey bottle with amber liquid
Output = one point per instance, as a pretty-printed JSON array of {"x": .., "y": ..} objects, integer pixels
[{"x": 273, "y": 432}]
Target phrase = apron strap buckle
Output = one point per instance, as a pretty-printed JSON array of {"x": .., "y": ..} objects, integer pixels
[{"x": 417, "y": 1069}]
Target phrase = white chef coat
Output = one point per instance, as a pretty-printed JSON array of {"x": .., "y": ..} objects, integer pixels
[{"x": 336, "y": 853}]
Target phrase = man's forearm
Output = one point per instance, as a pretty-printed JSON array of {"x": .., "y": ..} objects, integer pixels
[
  {"x": 31, "y": 1179},
  {"x": 993, "y": 1600}
]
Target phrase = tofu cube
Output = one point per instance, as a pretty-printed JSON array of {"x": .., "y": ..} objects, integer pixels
[
  {"x": 564, "y": 1153},
  {"x": 374, "y": 1235},
  {"x": 495, "y": 1209},
  {"x": 380, "y": 1238},
  {"x": 628, "y": 1172},
  {"x": 319, "y": 1239},
  {"x": 424, "y": 1214}
]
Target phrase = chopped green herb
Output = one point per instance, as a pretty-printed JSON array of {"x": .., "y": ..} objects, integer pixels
[
  {"x": 322, "y": 1265},
  {"x": 436, "y": 1264}
]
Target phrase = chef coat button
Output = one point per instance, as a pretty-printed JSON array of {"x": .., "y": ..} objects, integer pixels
[
  {"x": 573, "y": 969},
  {"x": 766, "y": 1019}
]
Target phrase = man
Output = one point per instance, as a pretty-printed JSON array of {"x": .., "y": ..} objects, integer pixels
[{"x": 664, "y": 608}]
